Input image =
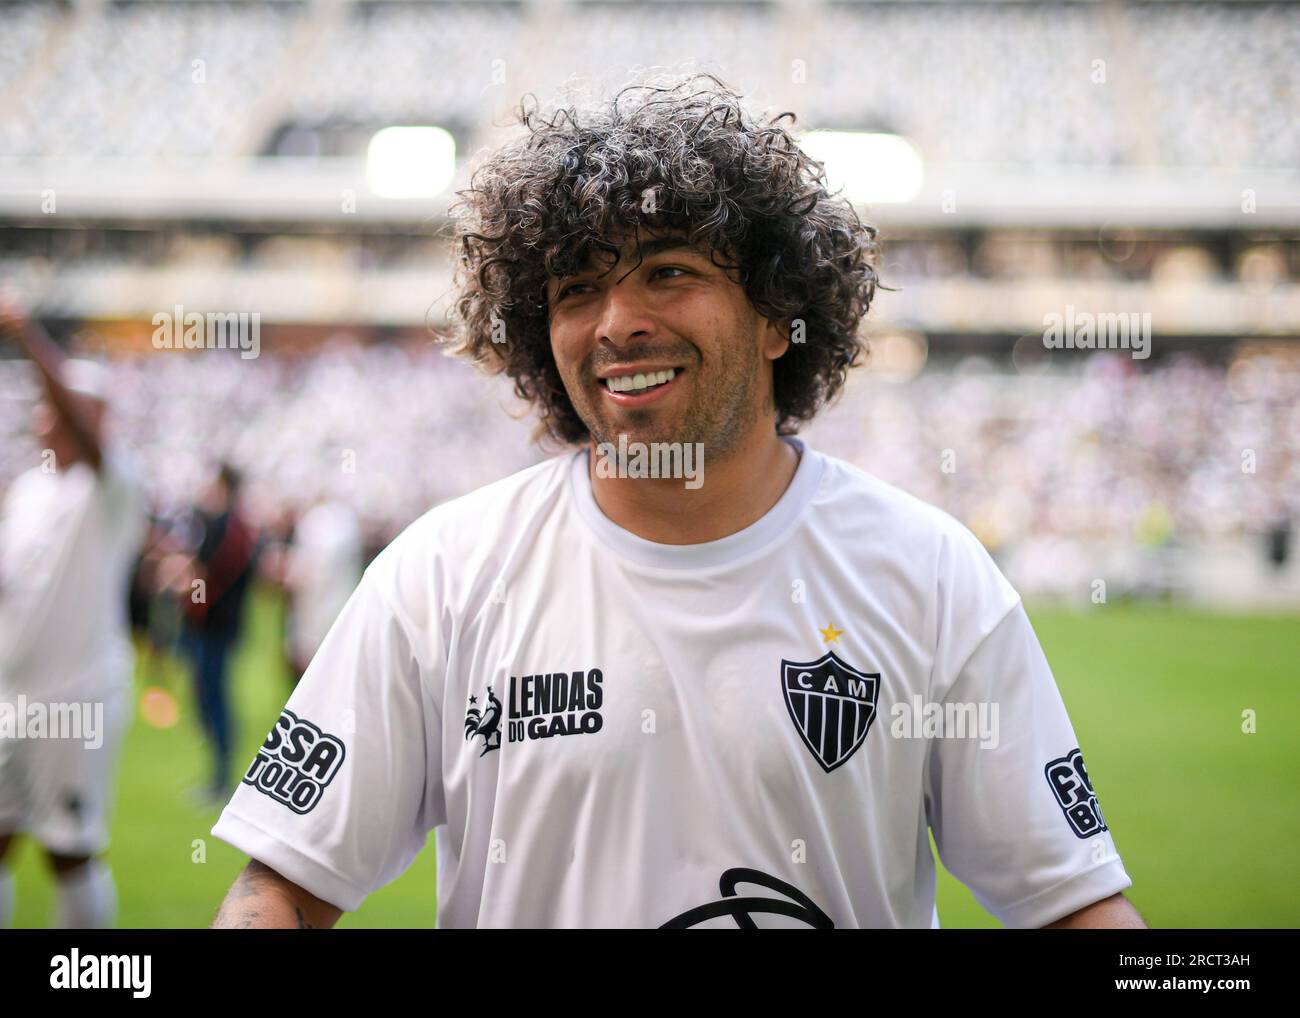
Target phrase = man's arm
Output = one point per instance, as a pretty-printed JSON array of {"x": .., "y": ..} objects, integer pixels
[
  {"x": 16, "y": 327},
  {"x": 261, "y": 899},
  {"x": 1113, "y": 913}
]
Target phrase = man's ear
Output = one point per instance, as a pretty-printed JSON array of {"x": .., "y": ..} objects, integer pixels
[{"x": 775, "y": 339}]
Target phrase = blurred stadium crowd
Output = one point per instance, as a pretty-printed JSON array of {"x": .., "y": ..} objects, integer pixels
[
  {"x": 388, "y": 429},
  {"x": 1006, "y": 83},
  {"x": 1050, "y": 464}
]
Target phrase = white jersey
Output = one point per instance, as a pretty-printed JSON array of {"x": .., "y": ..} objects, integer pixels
[
  {"x": 611, "y": 732},
  {"x": 68, "y": 540}
]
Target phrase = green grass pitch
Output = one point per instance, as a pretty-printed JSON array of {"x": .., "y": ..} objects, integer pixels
[{"x": 1204, "y": 815}]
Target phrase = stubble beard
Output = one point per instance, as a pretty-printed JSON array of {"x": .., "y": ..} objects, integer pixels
[{"x": 721, "y": 412}]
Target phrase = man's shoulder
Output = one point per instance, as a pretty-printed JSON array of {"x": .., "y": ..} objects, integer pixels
[
  {"x": 39, "y": 484},
  {"x": 496, "y": 504},
  {"x": 875, "y": 508},
  {"x": 908, "y": 537},
  {"x": 26, "y": 480},
  {"x": 479, "y": 518}
]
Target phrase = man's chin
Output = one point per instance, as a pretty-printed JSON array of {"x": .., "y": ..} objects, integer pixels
[{"x": 633, "y": 434}]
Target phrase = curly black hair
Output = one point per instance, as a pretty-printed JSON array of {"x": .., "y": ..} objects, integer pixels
[{"x": 683, "y": 155}]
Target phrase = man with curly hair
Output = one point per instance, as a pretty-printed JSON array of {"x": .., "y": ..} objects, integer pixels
[{"x": 692, "y": 672}]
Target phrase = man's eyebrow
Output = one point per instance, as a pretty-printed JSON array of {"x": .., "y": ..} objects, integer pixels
[
  {"x": 660, "y": 244},
  {"x": 649, "y": 248}
]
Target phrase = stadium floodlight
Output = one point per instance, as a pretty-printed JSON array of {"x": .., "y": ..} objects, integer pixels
[
  {"x": 410, "y": 162},
  {"x": 872, "y": 168}
]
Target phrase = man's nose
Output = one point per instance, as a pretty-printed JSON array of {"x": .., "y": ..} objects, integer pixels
[{"x": 624, "y": 316}]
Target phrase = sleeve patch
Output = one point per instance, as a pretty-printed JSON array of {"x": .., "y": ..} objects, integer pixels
[
  {"x": 1069, "y": 782},
  {"x": 295, "y": 763}
]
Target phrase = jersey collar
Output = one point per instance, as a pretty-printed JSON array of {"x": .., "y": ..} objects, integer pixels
[{"x": 724, "y": 551}]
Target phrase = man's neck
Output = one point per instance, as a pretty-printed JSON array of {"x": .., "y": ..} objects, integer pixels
[{"x": 736, "y": 492}]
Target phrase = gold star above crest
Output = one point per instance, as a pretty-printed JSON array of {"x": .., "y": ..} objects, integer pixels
[{"x": 830, "y": 634}]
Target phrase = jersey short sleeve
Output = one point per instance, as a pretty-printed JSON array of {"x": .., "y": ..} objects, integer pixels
[
  {"x": 344, "y": 790},
  {"x": 1014, "y": 813}
]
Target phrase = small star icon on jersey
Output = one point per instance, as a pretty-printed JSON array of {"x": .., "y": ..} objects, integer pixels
[{"x": 830, "y": 634}]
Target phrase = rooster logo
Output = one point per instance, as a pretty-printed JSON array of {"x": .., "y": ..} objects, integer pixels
[{"x": 486, "y": 723}]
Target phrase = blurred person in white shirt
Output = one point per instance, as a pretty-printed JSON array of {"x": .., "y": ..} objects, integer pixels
[
  {"x": 70, "y": 528},
  {"x": 323, "y": 566}
]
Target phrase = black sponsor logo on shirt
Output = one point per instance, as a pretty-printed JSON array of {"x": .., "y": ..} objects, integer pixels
[
  {"x": 542, "y": 706},
  {"x": 556, "y": 703},
  {"x": 1070, "y": 785},
  {"x": 296, "y": 763},
  {"x": 741, "y": 908}
]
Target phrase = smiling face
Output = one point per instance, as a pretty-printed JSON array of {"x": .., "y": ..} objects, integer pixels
[{"x": 667, "y": 350}]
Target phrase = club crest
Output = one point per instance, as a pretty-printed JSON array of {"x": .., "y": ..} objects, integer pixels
[{"x": 832, "y": 704}]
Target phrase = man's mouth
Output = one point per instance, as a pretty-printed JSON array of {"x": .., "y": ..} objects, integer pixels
[
  {"x": 640, "y": 388},
  {"x": 640, "y": 382}
]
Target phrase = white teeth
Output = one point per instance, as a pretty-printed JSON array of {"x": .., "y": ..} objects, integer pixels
[{"x": 635, "y": 383}]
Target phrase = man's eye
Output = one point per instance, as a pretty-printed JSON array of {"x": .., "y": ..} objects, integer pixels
[{"x": 567, "y": 290}]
